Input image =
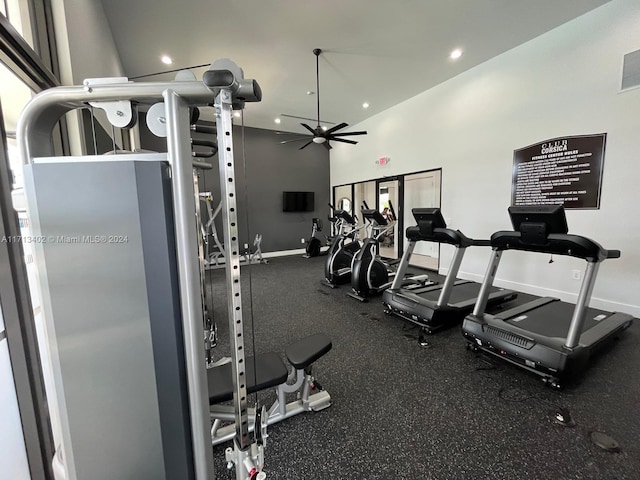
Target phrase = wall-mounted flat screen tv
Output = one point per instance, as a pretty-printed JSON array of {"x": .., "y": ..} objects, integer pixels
[{"x": 297, "y": 201}]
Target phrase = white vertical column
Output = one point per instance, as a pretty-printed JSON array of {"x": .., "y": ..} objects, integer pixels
[{"x": 13, "y": 452}]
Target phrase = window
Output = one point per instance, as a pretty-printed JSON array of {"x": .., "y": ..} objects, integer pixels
[
  {"x": 26, "y": 64},
  {"x": 17, "y": 12}
]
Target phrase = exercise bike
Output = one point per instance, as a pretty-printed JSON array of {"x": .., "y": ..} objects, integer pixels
[
  {"x": 316, "y": 246},
  {"x": 369, "y": 274}
]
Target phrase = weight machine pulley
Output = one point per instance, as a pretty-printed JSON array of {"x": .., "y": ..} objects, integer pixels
[{"x": 225, "y": 83}]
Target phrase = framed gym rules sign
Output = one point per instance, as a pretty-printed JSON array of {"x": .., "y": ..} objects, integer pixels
[{"x": 561, "y": 171}]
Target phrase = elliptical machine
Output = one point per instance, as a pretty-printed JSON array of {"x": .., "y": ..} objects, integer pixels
[
  {"x": 345, "y": 244},
  {"x": 369, "y": 274}
]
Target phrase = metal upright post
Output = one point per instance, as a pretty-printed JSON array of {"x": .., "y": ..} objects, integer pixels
[
  {"x": 487, "y": 283},
  {"x": 404, "y": 264},
  {"x": 223, "y": 107},
  {"x": 454, "y": 268},
  {"x": 179, "y": 155},
  {"x": 584, "y": 297}
]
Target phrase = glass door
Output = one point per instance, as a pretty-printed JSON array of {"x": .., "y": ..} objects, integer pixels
[
  {"x": 364, "y": 192},
  {"x": 422, "y": 190}
]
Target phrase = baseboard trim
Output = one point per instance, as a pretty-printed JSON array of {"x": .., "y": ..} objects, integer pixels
[
  {"x": 599, "y": 303},
  {"x": 284, "y": 253}
]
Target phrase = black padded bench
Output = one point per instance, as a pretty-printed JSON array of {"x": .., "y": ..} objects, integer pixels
[
  {"x": 267, "y": 369},
  {"x": 307, "y": 350}
]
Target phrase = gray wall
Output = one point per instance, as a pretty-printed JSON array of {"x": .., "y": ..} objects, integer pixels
[{"x": 271, "y": 169}]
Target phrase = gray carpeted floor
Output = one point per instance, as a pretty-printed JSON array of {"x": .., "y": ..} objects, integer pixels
[{"x": 401, "y": 411}]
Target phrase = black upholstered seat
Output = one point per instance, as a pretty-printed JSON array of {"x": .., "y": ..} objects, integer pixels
[
  {"x": 307, "y": 350},
  {"x": 268, "y": 370}
]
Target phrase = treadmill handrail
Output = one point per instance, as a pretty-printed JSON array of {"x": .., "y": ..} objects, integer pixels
[
  {"x": 556, "y": 244},
  {"x": 445, "y": 235}
]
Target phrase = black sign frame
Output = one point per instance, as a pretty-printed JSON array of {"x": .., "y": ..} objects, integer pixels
[{"x": 560, "y": 171}]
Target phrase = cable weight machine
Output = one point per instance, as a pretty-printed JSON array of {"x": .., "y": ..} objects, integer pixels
[{"x": 141, "y": 301}]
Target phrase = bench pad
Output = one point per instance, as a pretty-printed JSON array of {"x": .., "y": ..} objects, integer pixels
[
  {"x": 307, "y": 350},
  {"x": 270, "y": 371}
]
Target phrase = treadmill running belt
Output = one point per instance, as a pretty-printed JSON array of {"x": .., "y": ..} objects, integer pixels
[
  {"x": 460, "y": 293},
  {"x": 553, "y": 319}
]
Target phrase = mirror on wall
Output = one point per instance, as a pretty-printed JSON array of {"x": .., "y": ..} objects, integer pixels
[
  {"x": 343, "y": 198},
  {"x": 389, "y": 206},
  {"x": 403, "y": 192},
  {"x": 344, "y": 204},
  {"x": 364, "y": 192}
]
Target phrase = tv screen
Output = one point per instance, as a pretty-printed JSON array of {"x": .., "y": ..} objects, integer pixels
[{"x": 297, "y": 201}]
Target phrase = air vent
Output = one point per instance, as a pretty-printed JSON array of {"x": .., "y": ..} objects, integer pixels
[
  {"x": 631, "y": 70},
  {"x": 509, "y": 337}
]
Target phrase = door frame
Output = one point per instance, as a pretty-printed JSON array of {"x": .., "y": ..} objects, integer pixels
[{"x": 21, "y": 332}]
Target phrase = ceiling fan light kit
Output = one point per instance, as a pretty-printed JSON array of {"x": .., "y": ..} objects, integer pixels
[{"x": 323, "y": 135}]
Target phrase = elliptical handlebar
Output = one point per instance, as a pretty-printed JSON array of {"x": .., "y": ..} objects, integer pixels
[
  {"x": 393, "y": 211},
  {"x": 375, "y": 219}
]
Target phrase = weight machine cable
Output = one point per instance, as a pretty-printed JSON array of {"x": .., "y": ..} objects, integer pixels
[
  {"x": 170, "y": 71},
  {"x": 246, "y": 212},
  {"x": 208, "y": 288},
  {"x": 93, "y": 131}
]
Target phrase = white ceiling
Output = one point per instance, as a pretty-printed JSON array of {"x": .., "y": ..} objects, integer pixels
[{"x": 378, "y": 51}]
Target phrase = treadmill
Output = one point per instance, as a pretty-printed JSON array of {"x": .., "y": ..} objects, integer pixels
[
  {"x": 551, "y": 338},
  {"x": 438, "y": 306}
]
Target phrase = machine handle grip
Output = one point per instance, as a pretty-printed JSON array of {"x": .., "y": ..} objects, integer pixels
[
  {"x": 480, "y": 243},
  {"x": 393, "y": 210},
  {"x": 613, "y": 253},
  {"x": 204, "y": 129}
]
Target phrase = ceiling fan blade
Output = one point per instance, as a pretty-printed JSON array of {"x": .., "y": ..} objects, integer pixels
[
  {"x": 336, "y": 127},
  {"x": 344, "y": 140},
  {"x": 327, "y": 146},
  {"x": 294, "y": 140},
  {"x": 309, "y": 128},
  {"x": 306, "y": 144},
  {"x": 306, "y": 118},
  {"x": 344, "y": 134}
]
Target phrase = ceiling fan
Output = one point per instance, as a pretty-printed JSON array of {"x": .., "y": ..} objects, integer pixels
[{"x": 320, "y": 135}]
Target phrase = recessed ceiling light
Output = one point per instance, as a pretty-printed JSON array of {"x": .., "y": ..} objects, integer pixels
[
  {"x": 166, "y": 59},
  {"x": 236, "y": 114},
  {"x": 309, "y": 92},
  {"x": 365, "y": 105},
  {"x": 277, "y": 120},
  {"x": 457, "y": 53}
]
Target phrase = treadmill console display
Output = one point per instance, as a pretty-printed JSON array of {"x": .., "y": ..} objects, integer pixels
[
  {"x": 552, "y": 217},
  {"x": 429, "y": 216}
]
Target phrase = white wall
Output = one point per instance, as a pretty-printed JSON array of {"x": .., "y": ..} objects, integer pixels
[
  {"x": 85, "y": 41},
  {"x": 565, "y": 82},
  {"x": 86, "y": 49}
]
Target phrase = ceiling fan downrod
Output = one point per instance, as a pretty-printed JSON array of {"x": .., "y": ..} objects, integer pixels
[{"x": 317, "y": 52}]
